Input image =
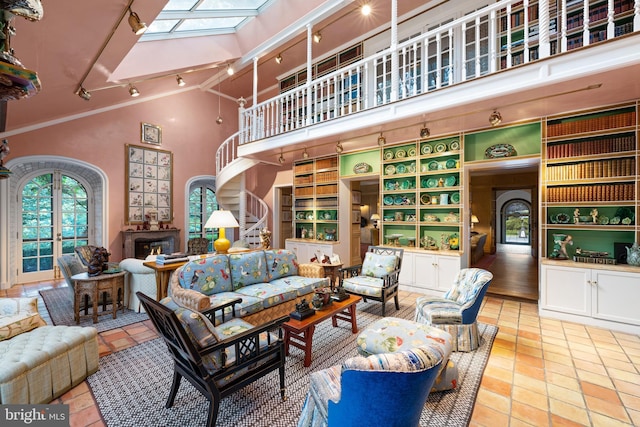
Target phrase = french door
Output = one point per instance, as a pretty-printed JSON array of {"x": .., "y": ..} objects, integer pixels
[{"x": 55, "y": 218}]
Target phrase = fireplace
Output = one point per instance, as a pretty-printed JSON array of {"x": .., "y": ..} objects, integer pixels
[{"x": 140, "y": 243}]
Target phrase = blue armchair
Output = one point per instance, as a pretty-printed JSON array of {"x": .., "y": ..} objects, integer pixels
[
  {"x": 457, "y": 311},
  {"x": 388, "y": 389}
]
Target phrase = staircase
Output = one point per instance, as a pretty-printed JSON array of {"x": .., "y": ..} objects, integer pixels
[{"x": 251, "y": 211}]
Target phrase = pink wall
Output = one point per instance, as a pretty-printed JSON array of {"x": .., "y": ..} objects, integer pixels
[{"x": 189, "y": 131}]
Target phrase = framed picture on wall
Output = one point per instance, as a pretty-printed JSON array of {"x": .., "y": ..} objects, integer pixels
[
  {"x": 151, "y": 134},
  {"x": 356, "y": 197},
  {"x": 149, "y": 184},
  {"x": 355, "y": 216}
]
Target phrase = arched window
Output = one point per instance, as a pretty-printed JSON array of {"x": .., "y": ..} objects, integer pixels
[
  {"x": 516, "y": 225},
  {"x": 202, "y": 202}
]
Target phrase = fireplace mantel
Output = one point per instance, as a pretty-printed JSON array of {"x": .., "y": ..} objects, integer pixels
[{"x": 129, "y": 238}]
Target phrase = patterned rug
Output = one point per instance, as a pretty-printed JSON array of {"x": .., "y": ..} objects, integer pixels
[
  {"x": 132, "y": 385},
  {"x": 59, "y": 304}
]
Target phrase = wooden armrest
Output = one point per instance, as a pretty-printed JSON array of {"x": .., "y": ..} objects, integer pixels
[{"x": 210, "y": 312}]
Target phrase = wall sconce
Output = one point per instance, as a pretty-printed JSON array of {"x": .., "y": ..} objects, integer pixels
[
  {"x": 495, "y": 118},
  {"x": 375, "y": 218},
  {"x": 317, "y": 37},
  {"x": 133, "y": 91},
  {"x": 339, "y": 148},
  {"x": 474, "y": 220},
  {"x": 305, "y": 155},
  {"x": 137, "y": 26},
  {"x": 381, "y": 140},
  {"x": 281, "y": 158},
  {"x": 84, "y": 94},
  {"x": 425, "y": 132},
  {"x": 229, "y": 70},
  {"x": 180, "y": 81},
  {"x": 279, "y": 59}
]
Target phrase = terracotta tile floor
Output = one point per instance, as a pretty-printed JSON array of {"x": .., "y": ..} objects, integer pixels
[{"x": 541, "y": 372}]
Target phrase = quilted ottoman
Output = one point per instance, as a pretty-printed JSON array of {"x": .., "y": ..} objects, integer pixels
[{"x": 42, "y": 364}]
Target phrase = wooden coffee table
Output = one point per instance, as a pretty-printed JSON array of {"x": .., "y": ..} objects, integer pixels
[{"x": 299, "y": 333}]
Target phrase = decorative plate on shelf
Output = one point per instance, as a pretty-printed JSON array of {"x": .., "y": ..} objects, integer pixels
[
  {"x": 300, "y": 215},
  {"x": 389, "y": 170},
  {"x": 423, "y": 182},
  {"x": 426, "y": 149},
  {"x": 455, "y": 198},
  {"x": 400, "y": 154},
  {"x": 388, "y": 200},
  {"x": 562, "y": 218},
  {"x": 425, "y": 199},
  {"x": 390, "y": 185},
  {"x": 603, "y": 220},
  {"x": 432, "y": 183},
  {"x": 399, "y": 200},
  {"x": 450, "y": 164},
  {"x": 388, "y": 155},
  {"x": 362, "y": 168},
  {"x": 450, "y": 181},
  {"x": 310, "y": 216},
  {"x": 411, "y": 152},
  {"x": 411, "y": 168},
  {"x": 433, "y": 165},
  {"x": 627, "y": 221},
  {"x": 615, "y": 220},
  {"x": 498, "y": 151},
  {"x": 440, "y": 147},
  {"x": 401, "y": 168},
  {"x": 454, "y": 145}
]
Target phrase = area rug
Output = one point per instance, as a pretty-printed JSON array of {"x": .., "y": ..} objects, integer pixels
[
  {"x": 59, "y": 304},
  {"x": 132, "y": 385}
]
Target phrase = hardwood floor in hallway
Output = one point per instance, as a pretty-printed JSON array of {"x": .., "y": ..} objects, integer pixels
[{"x": 514, "y": 276}]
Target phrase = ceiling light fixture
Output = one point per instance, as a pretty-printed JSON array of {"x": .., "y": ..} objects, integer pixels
[
  {"x": 317, "y": 37},
  {"x": 84, "y": 94},
  {"x": 305, "y": 155},
  {"x": 279, "y": 59},
  {"x": 495, "y": 118},
  {"x": 366, "y": 10},
  {"x": 281, "y": 158},
  {"x": 137, "y": 26},
  {"x": 381, "y": 140},
  {"x": 180, "y": 81},
  {"x": 133, "y": 91},
  {"x": 339, "y": 148},
  {"x": 425, "y": 132},
  {"x": 229, "y": 70}
]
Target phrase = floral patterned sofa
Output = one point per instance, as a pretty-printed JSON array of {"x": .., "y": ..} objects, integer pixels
[{"x": 269, "y": 282}]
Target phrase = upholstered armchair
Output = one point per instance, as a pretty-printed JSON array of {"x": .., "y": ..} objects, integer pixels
[
  {"x": 387, "y": 389},
  {"x": 70, "y": 265},
  {"x": 377, "y": 277},
  {"x": 216, "y": 360},
  {"x": 457, "y": 311},
  {"x": 140, "y": 279}
]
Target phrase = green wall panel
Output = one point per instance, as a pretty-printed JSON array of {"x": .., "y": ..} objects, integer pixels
[{"x": 526, "y": 139}]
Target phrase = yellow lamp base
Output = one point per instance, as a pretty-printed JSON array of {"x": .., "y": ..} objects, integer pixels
[{"x": 222, "y": 245}]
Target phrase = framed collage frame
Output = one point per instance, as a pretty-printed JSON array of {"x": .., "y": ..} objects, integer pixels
[
  {"x": 151, "y": 134},
  {"x": 148, "y": 184}
]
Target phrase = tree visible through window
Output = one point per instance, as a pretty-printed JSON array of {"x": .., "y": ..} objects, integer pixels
[
  {"x": 515, "y": 222},
  {"x": 202, "y": 202}
]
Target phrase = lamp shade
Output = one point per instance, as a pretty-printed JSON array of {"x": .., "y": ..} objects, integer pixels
[
  {"x": 221, "y": 219},
  {"x": 474, "y": 219},
  {"x": 375, "y": 217}
]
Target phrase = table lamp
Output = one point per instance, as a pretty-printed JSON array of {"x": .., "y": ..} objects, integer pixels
[
  {"x": 221, "y": 219},
  {"x": 474, "y": 220},
  {"x": 375, "y": 218}
]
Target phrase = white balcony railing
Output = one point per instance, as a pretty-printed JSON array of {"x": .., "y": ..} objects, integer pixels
[{"x": 498, "y": 37}]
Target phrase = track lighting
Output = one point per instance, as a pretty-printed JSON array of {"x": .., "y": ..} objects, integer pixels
[
  {"x": 137, "y": 26},
  {"x": 180, "y": 81},
  {"x": 495, "y": 118},
  {"x": 84, "y": 94},
  {"x": 305, "y": 155},
  {"x": 425, "y": 132},
  {"x": 339, "y": 148},
  {"x": 229, "y": 70},
  {"x": 281, "y": 158},
  {"x": 381, "y": 140},
  {"x": 366, "y": 10},
  {"x": 133, "y": 91},
  {"x": 317, "y": 37},
  {"x": 279, "y": 59}
]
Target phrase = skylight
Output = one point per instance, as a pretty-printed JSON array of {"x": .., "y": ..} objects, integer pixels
[{"x": 193, "y": 18}]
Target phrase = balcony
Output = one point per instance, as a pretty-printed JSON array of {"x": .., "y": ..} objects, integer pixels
[{"x": 500, "y": 49}]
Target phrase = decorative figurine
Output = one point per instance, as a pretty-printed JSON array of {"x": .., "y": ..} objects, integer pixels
[
  {"x": 265, "y": 238},
  {"x": 303, "y": 234},
  {"x": 576, "y": 216},
  {"x": 302, "y": 310},
  {"x": 594, "y": 215},
  {"x": 99, "y": 262},
  {"x": 560, "y": 242}
]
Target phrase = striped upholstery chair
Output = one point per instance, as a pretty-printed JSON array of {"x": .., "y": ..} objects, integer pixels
[{"x": 457, "y": 310}]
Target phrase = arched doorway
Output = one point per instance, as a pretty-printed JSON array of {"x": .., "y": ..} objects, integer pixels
[{"x": 516, "y": 222}]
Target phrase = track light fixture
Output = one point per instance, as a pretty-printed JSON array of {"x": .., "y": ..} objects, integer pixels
[
  {"x": 84, "y": 94},
  {"x": 381, "y": 140},
  {"x": 339, "y": 148},
  {"x": 137, "y": 26},
  {"x": 425, "y": 132},
  {"x": 180, "y": 81},
  {"x": 279, "y": 59},
  {"x": 281, "y": 158},
  {"x": 133, "y": 91},
  {"x": 317, "y": 37},
  {"x": 366, "y": 10},
  {"x": 495, "y": 118},
  {"x": 229, "y": 70},
  {"x": 305, "y": 155}
]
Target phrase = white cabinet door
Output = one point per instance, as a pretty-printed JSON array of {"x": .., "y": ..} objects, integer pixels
[
  {"x": 425, "y": 271},
  {"x": 566, "y": 289},
  {"x": 319, "y": 250},
  {"x": 300, "y": 249},
  {"x": 615, "y": 296},
  {"x": 407, "y": 268},
  {"x": 447, "y": 271}
]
